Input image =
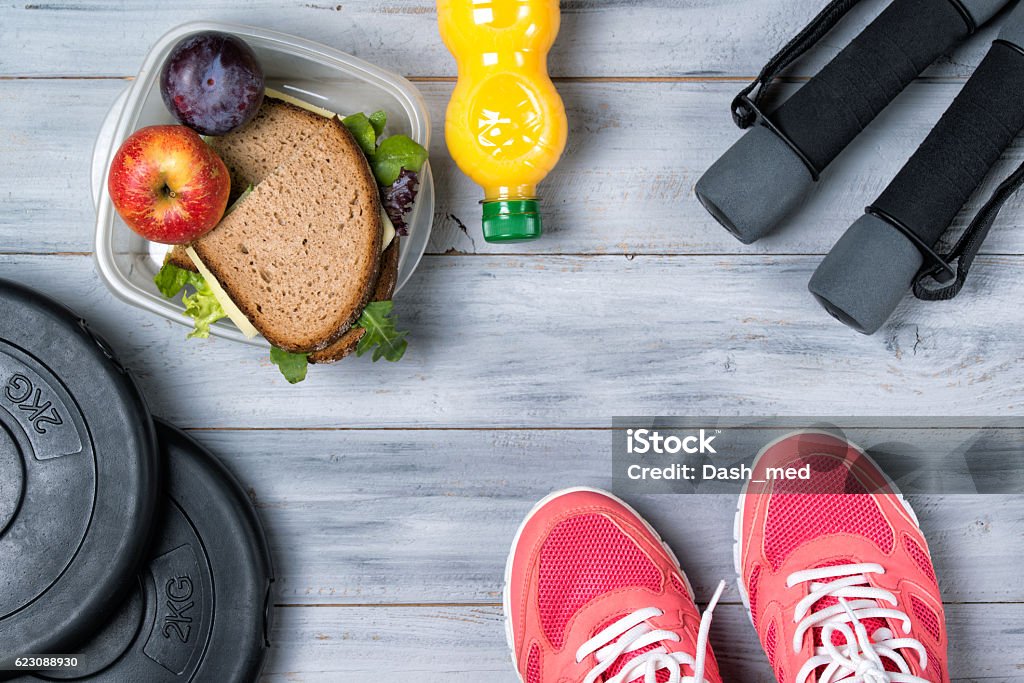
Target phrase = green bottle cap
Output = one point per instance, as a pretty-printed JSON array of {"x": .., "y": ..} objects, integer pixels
[{"x": 511, "y": 220}]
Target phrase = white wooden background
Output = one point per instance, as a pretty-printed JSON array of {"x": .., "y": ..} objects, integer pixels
[{"x": 390, "y": 493}]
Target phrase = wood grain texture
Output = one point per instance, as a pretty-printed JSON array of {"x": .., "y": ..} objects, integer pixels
[
  {"x": 572, "y": 341},
  {"x": 467, "y": 644},
  {"x": 598, "y": 38},
  {"x": 390, "y": 492},
  {"x": 406, "y": 516},
  {"x": 625, "y": 185}
]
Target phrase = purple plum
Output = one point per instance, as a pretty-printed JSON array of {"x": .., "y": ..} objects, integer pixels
[{"x": 212, "y": 82}]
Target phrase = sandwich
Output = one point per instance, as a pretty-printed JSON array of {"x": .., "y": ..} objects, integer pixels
[{"x": 307, "y": 254}]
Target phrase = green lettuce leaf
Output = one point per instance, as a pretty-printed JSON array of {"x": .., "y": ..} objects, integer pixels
[
  {"x": 201, "y": 305},
  {"x": 388, "y": 158},
  {"x": 171, "y": 279},
  {"x": 379, "y": 119},
  {"x": 363, "y": 131},
  {"x": 394, "y": 154},
  {"x": 292, "y": 365},
  {"x": 381, "y": 335}
]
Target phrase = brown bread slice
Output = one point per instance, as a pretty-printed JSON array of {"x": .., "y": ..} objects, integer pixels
[
  {"x": 252, "y": 152},
  {"x": 300, "y": 255},
  {"x": 382, "y": 292},
  {"x": 178, "y": 257}
]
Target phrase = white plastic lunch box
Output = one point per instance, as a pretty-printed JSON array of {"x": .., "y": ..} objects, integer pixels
[{"x": 309, "y": 71}]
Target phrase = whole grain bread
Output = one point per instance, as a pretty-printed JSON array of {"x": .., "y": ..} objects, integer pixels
[
  {"x": 384, "y": 290},
  {"x": 300, "y": 255},
  {"x": 252, "y": 152},
  {"x": 178, "y": 257}
]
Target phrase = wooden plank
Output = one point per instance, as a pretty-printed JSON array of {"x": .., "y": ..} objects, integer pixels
[
  {"x": 624, "y": 187},
  {"x": 714, "y": 38},
  {"x": 573, "y": 341},
  {"x": 47, "y": 132},
  {"x": 424, "y": 515},
  {"x": 445, "y": 644},
  {"x": 401, "y": 516}
]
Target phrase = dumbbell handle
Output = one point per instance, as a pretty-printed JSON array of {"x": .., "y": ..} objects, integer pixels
[
  {"x": 831, "y": 109},
  {"x": 955, "y": 158}
]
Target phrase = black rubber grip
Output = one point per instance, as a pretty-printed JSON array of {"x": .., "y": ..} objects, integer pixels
[
  {"x": 831, "y": 109},
  {"x": 933, "y": 186}
]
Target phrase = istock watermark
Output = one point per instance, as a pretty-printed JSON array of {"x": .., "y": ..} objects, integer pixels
[
  {"x": 721, "y": 454},
  {"x": 643, "y": 441}
]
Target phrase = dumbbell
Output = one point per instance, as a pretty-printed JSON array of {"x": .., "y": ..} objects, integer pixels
[
  {"x": 766, "y": 173},
  {"x": 870, "y": 269}
]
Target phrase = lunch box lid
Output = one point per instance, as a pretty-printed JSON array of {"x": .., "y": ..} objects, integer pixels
[
  {"x": 201, "y": 605},
  {"x": 78, "y": 476}
]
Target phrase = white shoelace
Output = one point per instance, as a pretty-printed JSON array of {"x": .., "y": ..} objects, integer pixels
[
  {"x": 632, "y": 633},
  {"x": 861, "y": 659}
]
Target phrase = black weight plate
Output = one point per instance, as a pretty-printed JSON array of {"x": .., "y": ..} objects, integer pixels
[
  {"x": 78, "y": 477},
  {"x": 201, "y": 607}
]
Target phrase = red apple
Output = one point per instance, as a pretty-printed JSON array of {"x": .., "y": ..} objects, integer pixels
[{"x": 168, "y": 185}]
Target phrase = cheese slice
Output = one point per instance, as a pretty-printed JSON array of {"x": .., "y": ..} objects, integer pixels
[
  {"x": 301, "y": 104},
  {"x": 233, "y": 312},
  {"x": 388, "y": 233}
]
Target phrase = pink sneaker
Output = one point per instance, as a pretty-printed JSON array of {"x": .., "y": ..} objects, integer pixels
[
  {"x": 835, "y": 570},
  {"x": 592, "y": 594}
]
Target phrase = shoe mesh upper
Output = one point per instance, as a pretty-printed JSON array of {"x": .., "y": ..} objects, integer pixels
[
  {"x": 533, "y": 666},
  {"x": 678, "y": 584},
  {"x": 804, "y": 510},
  {"x": 752, "y": 593},
  {"x": 920, "y": 558},
  {"x": 585, "y": 557},
  {"x": 934, "y": 667},
  {"x": 926, "y": 616}
]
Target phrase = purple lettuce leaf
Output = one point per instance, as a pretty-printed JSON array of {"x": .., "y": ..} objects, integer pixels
[{"x": 398, "y": 198}]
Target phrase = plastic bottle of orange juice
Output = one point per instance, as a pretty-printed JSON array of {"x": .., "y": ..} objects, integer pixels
[{"x": 506, "y": 124}]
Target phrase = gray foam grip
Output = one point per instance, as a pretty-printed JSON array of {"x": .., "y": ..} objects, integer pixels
[
  {"x": 866, "y": 274},
  {"x": 733, "y": 189}
]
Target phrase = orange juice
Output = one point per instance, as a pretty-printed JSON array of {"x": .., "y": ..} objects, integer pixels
[{"x": 506, "y": 125}]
